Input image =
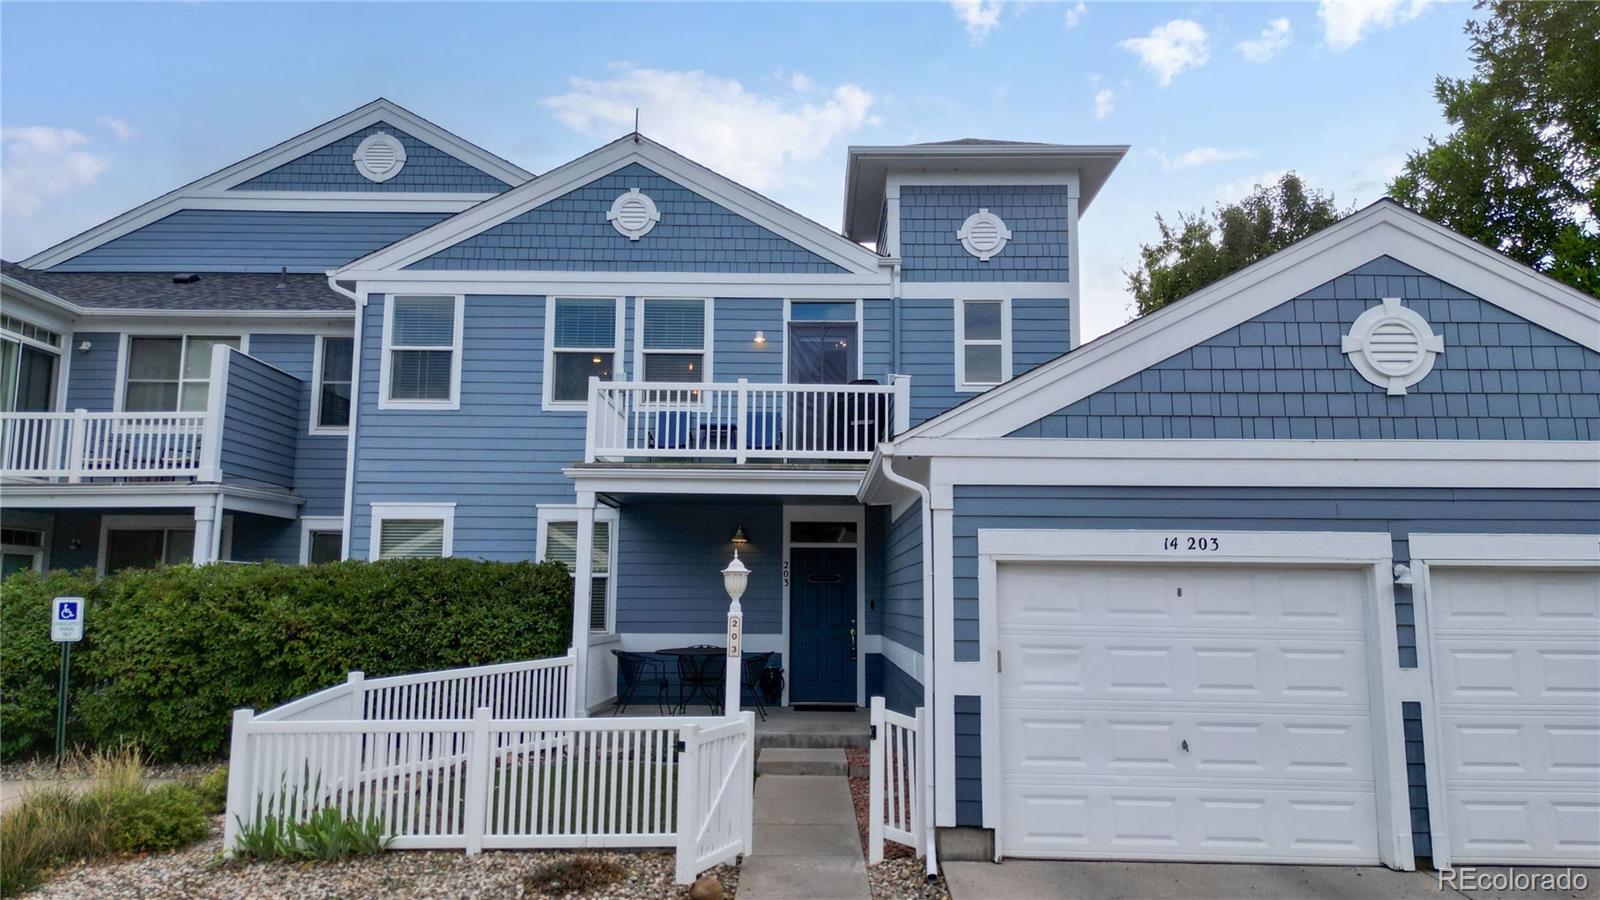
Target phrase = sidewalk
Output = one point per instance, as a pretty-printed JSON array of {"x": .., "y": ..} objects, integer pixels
[{"x": 806, "y": 841}]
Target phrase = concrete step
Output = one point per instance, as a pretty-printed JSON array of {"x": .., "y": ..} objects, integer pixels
[
  {"x": 812, "y": 740},
  {"x": 801, "y": 761}
]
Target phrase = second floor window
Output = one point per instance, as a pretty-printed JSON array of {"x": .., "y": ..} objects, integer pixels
[
  {"x": 583, "y": 343},
  {"x": 334, "y": 369},
  {"x": 170, "y": 374},
  {"x": 28, "y": 357},
  {"x": 423, "y": 358},
  {"x": 981, "y": 352},
  {"x": 674, "y": 345}
]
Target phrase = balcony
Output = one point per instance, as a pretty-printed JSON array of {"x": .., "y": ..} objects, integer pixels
[
  {"x": 79, "y": 445},
  {"x": 742, "y": 422}
]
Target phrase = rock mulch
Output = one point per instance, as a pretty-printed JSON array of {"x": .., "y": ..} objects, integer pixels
[
  {"x": 195, "y": 872},
  {"x": 77, "y": 766},
  {"x": 901, "y": 875}
]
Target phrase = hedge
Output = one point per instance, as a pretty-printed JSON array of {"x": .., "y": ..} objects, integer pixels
[{"x": 168, "y": 653}]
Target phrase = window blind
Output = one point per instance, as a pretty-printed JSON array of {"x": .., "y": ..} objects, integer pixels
[{"x": 411, "y": 539}]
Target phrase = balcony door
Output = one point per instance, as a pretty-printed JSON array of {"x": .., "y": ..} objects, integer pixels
[{"x": 824, "y": 343}]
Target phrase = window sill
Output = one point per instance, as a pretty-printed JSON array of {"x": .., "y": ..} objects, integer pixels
[
  {"x": 976, "y": 388},
  {"x": 439, "y": 405},
  {"x": 329, "y": 432}
]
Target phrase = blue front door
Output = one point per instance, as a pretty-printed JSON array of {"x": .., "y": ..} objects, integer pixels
[{"x": 822, "y": 625}]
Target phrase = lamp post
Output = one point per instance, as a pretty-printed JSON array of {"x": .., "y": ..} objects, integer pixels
[{"x": 734, "y": 578}]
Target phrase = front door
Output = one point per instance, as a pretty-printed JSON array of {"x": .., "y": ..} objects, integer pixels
[{"x": 822, "y": 625}]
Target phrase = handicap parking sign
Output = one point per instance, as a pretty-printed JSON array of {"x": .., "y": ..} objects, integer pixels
[{"x": 66, "y": 619}]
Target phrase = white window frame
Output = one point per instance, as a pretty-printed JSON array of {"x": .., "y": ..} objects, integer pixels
[
  {"x": 109, "y": 524},
  {"x": 309, "y": 524},
  {"x": 384, "y": 387},
  {"x": 382, "y": 512},
  {"x": 707, "y": 342},
  {"x": 36, "y": 551},
  {"x": 552, "y": 513},
  {"x": 125, "y": 357},
  {"x": 861, "y": 341},
  {"x": 619, "y": 373},
  {"x": 58, "y": 389},
  {"x": 961, "y": 342},
  {"x": 316, "y": 426}
]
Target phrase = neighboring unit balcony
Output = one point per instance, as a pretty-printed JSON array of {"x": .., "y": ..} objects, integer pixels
[
  {"x": 79, "y": 445},
  {"x": 739, "y": 422}
]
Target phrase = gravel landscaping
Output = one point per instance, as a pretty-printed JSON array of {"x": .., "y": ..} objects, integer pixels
[
  {"x": 901, "y": 875},
  {"x": 195, "y": 872}
]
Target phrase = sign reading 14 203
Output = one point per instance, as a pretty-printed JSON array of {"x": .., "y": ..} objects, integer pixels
[{"x": 1195, "y": 542}]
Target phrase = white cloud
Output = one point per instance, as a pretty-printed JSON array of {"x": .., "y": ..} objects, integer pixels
[
  {"x": 38, "y": 162},
  {"x": 749, "y": 136},
  {"x": 1346, "y": 22},
  {"x": 1074, "y": 14},
  {"x": 801, "y": 82},
  {"x": 979, "y": 16},
  {"x": 119, "y": 128},
  {"x": 1200, "y": 156},
  {"x": 1171, "y": 48},
  {"x": 1104, "y": 102},
  {"x": 1274, "y": 40}
]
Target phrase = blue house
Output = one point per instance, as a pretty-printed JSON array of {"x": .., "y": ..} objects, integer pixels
[{"x": 1303, "y": 568}]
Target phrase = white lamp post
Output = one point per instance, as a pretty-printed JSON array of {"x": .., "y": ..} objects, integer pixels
[{"x": 735, "y": 578}]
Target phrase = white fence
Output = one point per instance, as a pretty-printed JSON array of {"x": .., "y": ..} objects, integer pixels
[
  {"x": 741, "y": 421},
  {"x": 514, "y": 773},
  {"x": 897, "y": 787},
  {"x": 80, "y": 444}
]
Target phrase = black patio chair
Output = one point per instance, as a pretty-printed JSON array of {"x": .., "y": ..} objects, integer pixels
[
  {"x": 750, "y": 669},
  {"x": 638, "y": 670},
  {"x": 700, "y": 674}
]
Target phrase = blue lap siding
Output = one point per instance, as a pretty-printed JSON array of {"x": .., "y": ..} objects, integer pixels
[
  {"x": 260, "y": 423},
  {"x": 333, "y": 168},
  {"x": 1040, "y": 331},
  {"x": 670, "y": 559},
  {"x": 969, "y": 760},
  {"x": 92, "y": 378},
  {"x": 319, "y": 464},
  {"x": 1416, "y": 779}
]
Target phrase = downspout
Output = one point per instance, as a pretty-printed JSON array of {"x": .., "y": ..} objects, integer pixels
[
  {"x": 930, "y": 671},
  {"x": 355, "y": 407}
]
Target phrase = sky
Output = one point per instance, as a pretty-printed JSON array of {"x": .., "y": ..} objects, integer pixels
[{"x": 105, "y": 106}]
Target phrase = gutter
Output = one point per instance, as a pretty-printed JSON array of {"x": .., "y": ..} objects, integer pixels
[
  {"x": 930, "y": 669},
  {"x": 355, "y": 408}
]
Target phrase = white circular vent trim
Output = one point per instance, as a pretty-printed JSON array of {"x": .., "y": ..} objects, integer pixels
[
  {"x": 633, "y": 214},
  {"x": 1392, "y": 346},
  {"x": 984, "y": 234},
  {"x": 380, "y": 157}
]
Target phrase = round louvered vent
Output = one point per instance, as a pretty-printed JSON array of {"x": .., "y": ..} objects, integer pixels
[
  {"x": 633, "y": 214},
  {"x": 984, "y": 234},
  {"x": 380, "y": 157},
  {"x": 1392, "y": 346}
]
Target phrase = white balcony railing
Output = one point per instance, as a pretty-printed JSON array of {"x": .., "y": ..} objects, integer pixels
[
  {"x": 741, "y": 421},
  {"x": 72, "y": 446}
]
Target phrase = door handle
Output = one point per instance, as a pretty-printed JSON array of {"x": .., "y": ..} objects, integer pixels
[{"x": 852, "y": 645}]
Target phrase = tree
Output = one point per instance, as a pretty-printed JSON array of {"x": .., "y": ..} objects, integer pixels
[
  {"x": 1519, "y": 172},
  {"x": 1202, "y": 248}
]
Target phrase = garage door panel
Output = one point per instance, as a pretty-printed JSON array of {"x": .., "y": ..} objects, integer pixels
[
  {"x": 1487, "y": 747},
  {"x": 1522, "y": 599},
  {"x": 1543, "y": 827},
  {"x": 1556, "y": 669}
]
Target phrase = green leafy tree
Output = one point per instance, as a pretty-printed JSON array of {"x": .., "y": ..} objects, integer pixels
[
  {"x": 1519, "y": 172},
  {"x": 1204, "y": 247}
]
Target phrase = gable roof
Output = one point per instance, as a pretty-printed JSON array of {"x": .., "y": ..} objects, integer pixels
[
  {"x": 1384, "y": 228},
  {"x": 624, "y": 151},
  {"x": 92, "y": 292},
  {"x": 213, "y": 191}
]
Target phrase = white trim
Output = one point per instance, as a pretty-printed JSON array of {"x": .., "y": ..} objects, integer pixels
[
  {"x": 570, "y": 512},
  {"x": 355, "y": 412},
  {"x": 731, "y": 480},
  {"x": 386, "y": 348},
  {"x": 969, "y": 241},
  {"x": 845, "y": 513},
  {"x": 1394, "y": 375},
  {"x": 309, "y": 524},
  {"x": 633, "y": 197},
  {"x": 861, "y": 357},
  {"x": 383, "y": 511},
  {"x": 396, "y": 148},
  {"x": 804, "y": 286},
  {"x": 1383, "y": 229},
  {"x": 1368, "y": 551},
  {"x": 904, "y": 658},
  {"x": 147, "y": 495},
  {"x": 988, "y": 290},
  {"x": 37, "y": 552},
  {"x": 314, "y": 425},
  {"x": 618, "y": 366},
  {"x": 959, "y": 311},
  {"x": 124, "y": 348},
  {"x": 164, "y": 524},
  {"x": 267, "y": 160},
  {"x": 1494, "y": 549},
  {"x": 707, "y": 343},
  {"x": 269, "y": 321},
  {"x": 598, "y": 163},
  {"x": 1074, "y": 276}
]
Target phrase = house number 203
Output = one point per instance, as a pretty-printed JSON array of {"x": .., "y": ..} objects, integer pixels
[{"x": 1193, "y": 542}]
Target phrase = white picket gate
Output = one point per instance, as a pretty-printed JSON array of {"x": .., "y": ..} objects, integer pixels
[
  {"x": 896, "y": 792},
  {"x": 405, "y": 752}
]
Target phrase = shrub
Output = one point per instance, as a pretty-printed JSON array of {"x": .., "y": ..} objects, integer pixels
[
  {"x": 212, "y": 790},
  {"x": 48, "y": 826},
  {"x": 168, "y": 653},
  {"x": 161, "y": 818}
]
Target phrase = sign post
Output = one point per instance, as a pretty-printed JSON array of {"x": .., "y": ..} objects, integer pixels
[
  {"x": 734, "y": 578},
  {"x": 66, "y": 629}
]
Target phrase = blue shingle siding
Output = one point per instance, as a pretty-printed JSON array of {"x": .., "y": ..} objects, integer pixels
[
  {"x": 902, "y": 594},
  {"x": 671, "y": 557},
  {"x": 570, "y": 233},
  {"x": 260, "y": 423},
  {"x": 333, "y": 168},
  {"x": 1282, "y": 375},
  {"x": 320, "y": 461},
  {"x": 900, "y": 691},
  {"x": 92, "y": 377},
  {"x": 1397, "y": 512},
  {"x": 969, "y": 761},
  {"x": 231, "y": 240},
  {"x": 737, "y": 355},
  {"x": 930, "y": 216},
  {"x": 1040, "y": 331},
  {"x": 1416, "y": 779}
]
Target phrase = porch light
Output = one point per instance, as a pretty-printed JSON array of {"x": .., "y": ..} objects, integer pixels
[
  {"x": 761, "y": 337},
  {"x": 739, "y": 538},
  {"x": 735, "y": 578}
]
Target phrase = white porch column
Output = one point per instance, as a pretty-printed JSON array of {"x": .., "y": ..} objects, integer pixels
[
  {"x": 582, "y": 584},
  {"x": 205, "y": 548}
]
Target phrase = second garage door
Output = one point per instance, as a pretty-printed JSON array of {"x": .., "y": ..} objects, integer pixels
[{"x": 1180, "y": 711}]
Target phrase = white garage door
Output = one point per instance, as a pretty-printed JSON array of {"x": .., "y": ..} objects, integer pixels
[
  {"x": 1185, "y": 712},
  {"x": 1518, "y": 680}
]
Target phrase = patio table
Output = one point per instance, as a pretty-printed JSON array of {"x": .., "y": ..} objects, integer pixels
[{"x": 709, "y": 667}]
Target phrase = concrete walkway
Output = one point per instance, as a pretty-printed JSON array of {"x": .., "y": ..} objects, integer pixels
[
  {"x": 12, "y": 790},
  {"x": 806, "y": 841}
]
